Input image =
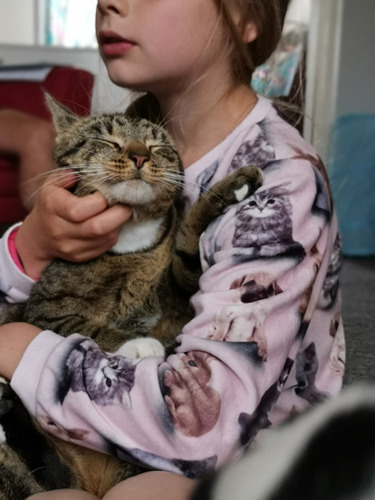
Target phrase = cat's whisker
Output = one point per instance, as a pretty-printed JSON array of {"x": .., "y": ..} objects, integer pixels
[
  {"x": 205, "y": 190},
  {"x": 171, "y": 183},
  {"x": 173, "y": 177},
  {"x": 167, "y": 186},
  {"x": 46, "y": 174},
  {"x": 173, "y": 173},
  {"x": 90, "y": 166},
  {"x": 178, "y": 179},
  {"x": 38, "y": 468},
  {"x": 175, "y": 182},
  {"x": 100, "y": 181},
  {"x": 51, "y": 181}
]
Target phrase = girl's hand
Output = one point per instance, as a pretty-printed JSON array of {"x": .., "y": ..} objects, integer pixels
[{"x": 63, "y": 225}]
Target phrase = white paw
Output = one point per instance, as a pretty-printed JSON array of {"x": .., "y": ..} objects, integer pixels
[
  {"x": 241, "y": 193},
  {"x": 142, "y": 347}
]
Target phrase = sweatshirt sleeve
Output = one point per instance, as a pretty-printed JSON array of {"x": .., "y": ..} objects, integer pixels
[
  {"x": 266, "y": 342},
  {"x": 14, "y": 284}
]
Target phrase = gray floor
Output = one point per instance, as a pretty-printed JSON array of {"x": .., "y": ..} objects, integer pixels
[{"x": 358, "y": 292}]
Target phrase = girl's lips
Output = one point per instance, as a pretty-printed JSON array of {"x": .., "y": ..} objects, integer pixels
[{"x": 113, "y": 44}]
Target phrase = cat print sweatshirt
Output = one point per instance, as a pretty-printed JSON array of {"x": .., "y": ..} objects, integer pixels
[{"x": 266, "y": 341}]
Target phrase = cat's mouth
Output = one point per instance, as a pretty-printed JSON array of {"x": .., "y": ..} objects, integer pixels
[{"x": 129, "y": 192}]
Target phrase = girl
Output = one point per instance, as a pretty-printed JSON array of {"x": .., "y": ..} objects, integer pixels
[{"x": 267, "y": 339}]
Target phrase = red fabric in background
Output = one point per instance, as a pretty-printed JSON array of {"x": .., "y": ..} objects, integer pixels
[{"x": 72, "y": 87}]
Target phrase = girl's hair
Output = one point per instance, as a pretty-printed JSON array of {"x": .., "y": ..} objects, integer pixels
[{"x": 268, "y": 16}]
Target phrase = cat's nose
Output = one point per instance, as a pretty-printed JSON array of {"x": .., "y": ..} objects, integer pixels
[
  {"x": 139, "y": 160},
  {"x": 138, "y": 153}
]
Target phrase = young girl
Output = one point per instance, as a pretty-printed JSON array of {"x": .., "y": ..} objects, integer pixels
[{"x": 267, "y": 338}]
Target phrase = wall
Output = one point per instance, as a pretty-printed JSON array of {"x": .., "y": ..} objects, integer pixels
[
  {"x": 299, "y": 10},
  {"x": 17, "y": 23},
  {"x": 341, "y": 66},
  {"x": 356, "y": 89},
  {"x": 322, "y": 79}
]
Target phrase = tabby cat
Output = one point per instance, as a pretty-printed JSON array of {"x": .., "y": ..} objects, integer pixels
[{"x": 135, "y": 293}]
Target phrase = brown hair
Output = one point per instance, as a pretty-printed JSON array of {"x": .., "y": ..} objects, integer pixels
[{"x": 268, "y": 16}]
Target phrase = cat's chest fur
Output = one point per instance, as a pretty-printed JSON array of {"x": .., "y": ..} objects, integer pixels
[{"x": 135, "y": 236}]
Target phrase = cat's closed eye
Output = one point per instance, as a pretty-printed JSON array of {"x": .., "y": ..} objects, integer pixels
[
  {"x": 112, "y": 144},
  {"x": 157, "y": 147}
]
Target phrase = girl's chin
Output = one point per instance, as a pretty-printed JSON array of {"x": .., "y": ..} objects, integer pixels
[{"x": 121, "y": 79}]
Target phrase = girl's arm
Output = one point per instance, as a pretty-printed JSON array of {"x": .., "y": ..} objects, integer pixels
[
  {"x": 265, "y": 343},
  {"x": 60, "y": 225}
]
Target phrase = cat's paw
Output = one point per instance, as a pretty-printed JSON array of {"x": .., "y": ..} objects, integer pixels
[
  {"x": 142, "y": 347},
  {"x": 245, "y": 181}
]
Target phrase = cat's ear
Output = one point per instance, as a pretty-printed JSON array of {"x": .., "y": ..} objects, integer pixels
[{"x": 62, "y": 116}]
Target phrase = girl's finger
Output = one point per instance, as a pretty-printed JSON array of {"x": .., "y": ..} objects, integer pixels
[{"x": 107, "y": 221}]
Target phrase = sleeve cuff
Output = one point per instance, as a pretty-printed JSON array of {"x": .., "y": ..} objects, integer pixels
[
  {"x": 13, "y": 282},
  {"x": 26, "y": 378}
]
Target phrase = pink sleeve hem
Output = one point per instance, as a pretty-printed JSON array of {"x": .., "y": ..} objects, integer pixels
[{"x": 13, "y": 250}]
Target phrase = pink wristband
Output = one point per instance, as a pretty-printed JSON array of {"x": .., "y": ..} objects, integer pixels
[{"x": 13, "y": 250}]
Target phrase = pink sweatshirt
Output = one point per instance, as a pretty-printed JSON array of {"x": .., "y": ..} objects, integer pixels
[{"x": 266, "y": 341}]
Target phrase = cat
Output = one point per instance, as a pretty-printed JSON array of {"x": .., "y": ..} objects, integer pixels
[
  {"x": 112, "y": 387},
  {"x": 139, "y": 290},
  {"x": 142, "y": 169},
  {"x": 249, "y": 326},
  {"x": 264, "y": 227},
  {"x": 325, "y": 453},
  {"x": 251, "y": 424},
  {"x": 306, "y": 369},
  {"x": 189, "y": 390}
]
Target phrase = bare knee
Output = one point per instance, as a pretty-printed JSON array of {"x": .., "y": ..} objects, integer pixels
[{"x": 156, "y": 485}]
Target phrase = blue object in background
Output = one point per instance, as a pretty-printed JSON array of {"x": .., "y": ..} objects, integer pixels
[{"x": 352, "y": 176}]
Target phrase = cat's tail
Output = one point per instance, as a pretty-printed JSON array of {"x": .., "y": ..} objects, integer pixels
[{"x": 11, "y": 313}]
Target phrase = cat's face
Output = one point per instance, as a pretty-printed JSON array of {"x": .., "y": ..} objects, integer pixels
[
  {"x": 264, "y": 204},
  {"x": 108, "y": 379},
  {"x": 130, "y": 161}
]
